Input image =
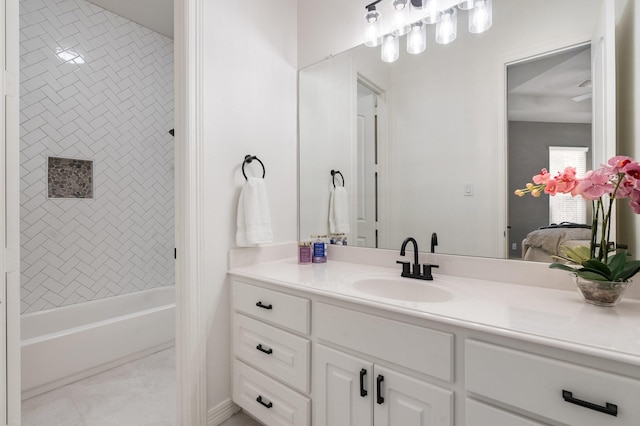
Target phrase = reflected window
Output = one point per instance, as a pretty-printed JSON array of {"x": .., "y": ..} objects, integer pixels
[{"x": 564, "y": 207}]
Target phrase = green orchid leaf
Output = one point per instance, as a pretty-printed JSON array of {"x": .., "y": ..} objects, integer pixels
[
  {"x": 563, "y": 259},
  {"x": 630, "y": 269},
  {"x": 563, "y": 267},
  {"x": 577, "y": 254},
  {"x": 599, "y": 267},
  {"x": 617, "y": 263},
  {"x": 592, "y": 275}
]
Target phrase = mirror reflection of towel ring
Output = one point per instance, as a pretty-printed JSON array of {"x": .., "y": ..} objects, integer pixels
[
  {"x": 333, "y": 174},
  {"x": 247, "y": 160}
]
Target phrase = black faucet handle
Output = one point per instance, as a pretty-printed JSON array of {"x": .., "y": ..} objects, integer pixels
[
  {"x": 405, "y": 268},
  {"x": 427, "y": 271}
]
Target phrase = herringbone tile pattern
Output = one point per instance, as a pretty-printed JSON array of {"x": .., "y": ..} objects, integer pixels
[{"x": 95, "y": 86}]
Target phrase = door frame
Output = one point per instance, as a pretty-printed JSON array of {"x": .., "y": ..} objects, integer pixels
[
  {"x": 191, "y": 334},
  {"x": 10, "y": 209},
  {"x": 556, "y": 45},
  {"x": 189, "y": 196}
]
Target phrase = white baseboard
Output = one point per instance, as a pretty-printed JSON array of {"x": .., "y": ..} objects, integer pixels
[{"x": 221, "y": 412}]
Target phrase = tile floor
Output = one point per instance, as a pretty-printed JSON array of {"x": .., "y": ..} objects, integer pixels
[
  {"x": 141, "y": 393},
  {"x": 241, "y": 419}
]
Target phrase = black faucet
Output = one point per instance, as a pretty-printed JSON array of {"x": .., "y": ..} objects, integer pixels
[
  {"x": 416, "y": 265},
  {"x": 434, "y": 242}
]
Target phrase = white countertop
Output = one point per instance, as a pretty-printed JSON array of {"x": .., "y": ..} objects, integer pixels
[{"x": 556, "y": 318}]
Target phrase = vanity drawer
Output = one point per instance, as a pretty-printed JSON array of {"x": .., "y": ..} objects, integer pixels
[
  {"x": 479, "y": 414},
  {"x": 278, "y": 353},
  {"x": 536, "y": 384},
  {"x": 268, "y": 400},
  {"x": 278, "y": 308},
  {"x": 418, "y": 348}
]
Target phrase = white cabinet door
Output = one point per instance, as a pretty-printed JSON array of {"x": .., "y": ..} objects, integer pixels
[
  {"x": 403, "y": 400},
  {"x": 343, "y": 389}
]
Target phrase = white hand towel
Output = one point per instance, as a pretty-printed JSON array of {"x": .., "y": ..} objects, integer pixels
[
  {"x": 339, "y": 211},
  {"x": 253, "y": 219}
]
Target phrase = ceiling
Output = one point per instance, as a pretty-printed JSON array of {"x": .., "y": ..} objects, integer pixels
[
  {"x": 156, "y": 15},
  {"x": 552, "y": 88}
]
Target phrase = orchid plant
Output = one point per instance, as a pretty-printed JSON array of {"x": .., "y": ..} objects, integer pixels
[{"x": 618, "y": 179}]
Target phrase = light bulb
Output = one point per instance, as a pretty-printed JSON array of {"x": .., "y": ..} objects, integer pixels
[
  {"x": 432, "y": 8},
  {"x": 372, "y": 36},
  {"x": 399, "y": 4},
  {"x": 468, "y": 4},
  {"x": 401, "y": 24},
  {"x": 480, "y": 18},
  {"x": 417, "y": 38},
  {"x": 390, "y": 48},
  {"x": 372, "y": 14},
  {"x": 447, "y": 27}
]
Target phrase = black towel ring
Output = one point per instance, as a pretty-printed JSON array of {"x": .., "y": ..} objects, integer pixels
[
  {"x": 333, "y": 174},
  {"x": 247, "y": 160}
]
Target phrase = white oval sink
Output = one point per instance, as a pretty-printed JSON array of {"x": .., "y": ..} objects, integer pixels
[
  {"x": 402, "y": 289},
  {"x": 393, "y": 286}
]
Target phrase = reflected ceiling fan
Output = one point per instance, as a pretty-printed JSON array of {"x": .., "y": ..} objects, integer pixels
[{"x": 585, "y": 96}]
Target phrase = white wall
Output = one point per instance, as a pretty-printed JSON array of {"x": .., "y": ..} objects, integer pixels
[
  {"x": 113, "y": 105},
  {"x": 628, "y": 96},
  {"x": 327, "y": 120},
  {"x": 250, "y": 108}
]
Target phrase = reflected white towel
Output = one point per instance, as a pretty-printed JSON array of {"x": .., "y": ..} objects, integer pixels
[
  {"x": 339, "y": 211},
  {"x": 253, "y": 219}
]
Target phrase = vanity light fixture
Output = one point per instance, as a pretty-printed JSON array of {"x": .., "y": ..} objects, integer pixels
[
  {"x": 417, "y": 38},
  {"x": 401, "y": 17},
  {"x": 372, "y": 36},
  {"x": 390, "y": 48},
  {"x": 412, "y": 16},
  {"x": 433, "y": 11},
  {"x": 447, "y": 26},
  {"x": 480, "y": 17}
]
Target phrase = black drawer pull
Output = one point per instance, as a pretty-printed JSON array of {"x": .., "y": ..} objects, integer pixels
[
  {"x": 266, "y": 404},
  {"x": 610, "y": 409},
  {"x": 260, "y": 305},
  {"x": 363, "y": 391},
  {"x": 379, "y": 381},
  {"x": 262, "y": 349}
]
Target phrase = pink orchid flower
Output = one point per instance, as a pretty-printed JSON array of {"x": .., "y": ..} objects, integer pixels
[
  {"x": 632, "y": 169},
  {"x": 627, "y": 185},
  {"x": 635, "y": 200},
  {"x": 566, "y": 180},
  {"x": 617, "y": 163},
  {"x": 594, "y": 185},
  {"x": 542, "y": 177}
]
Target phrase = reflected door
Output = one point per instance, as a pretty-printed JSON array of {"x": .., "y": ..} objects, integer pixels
[{"x": 366, "y": 192}]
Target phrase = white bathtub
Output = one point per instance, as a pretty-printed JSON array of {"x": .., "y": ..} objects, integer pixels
[{"x": 62, "y": 345}]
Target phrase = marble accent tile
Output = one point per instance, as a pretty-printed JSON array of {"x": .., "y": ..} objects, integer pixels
[{"x": 69, "y": 178}]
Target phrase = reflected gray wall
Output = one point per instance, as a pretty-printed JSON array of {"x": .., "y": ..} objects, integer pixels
[{"x": 529, "y": 144}]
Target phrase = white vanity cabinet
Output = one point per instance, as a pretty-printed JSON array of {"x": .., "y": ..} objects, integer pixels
[
  {"x": 272, "y": 355},
  {"x": 554, "y": 389},
  {"x": 354, "y": 390},
  {"x": 305, "y": 356}
]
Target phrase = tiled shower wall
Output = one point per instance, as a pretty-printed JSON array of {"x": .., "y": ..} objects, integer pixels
[{"x": 94, "y": 86}]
